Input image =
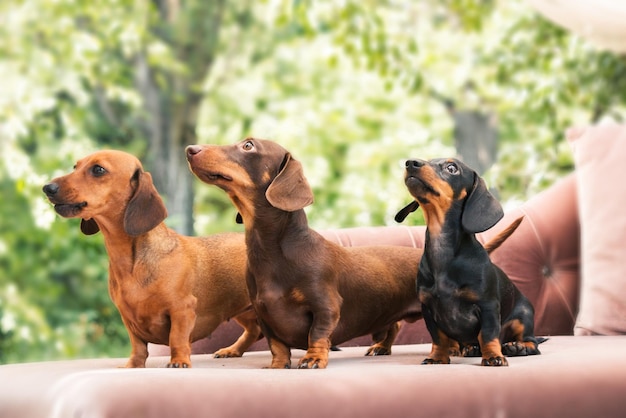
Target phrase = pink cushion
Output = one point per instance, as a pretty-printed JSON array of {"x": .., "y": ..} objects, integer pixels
[{"x": 599, "y": 153}]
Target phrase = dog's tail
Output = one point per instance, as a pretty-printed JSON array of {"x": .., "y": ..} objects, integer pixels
[{"x": 496, "y": 241}]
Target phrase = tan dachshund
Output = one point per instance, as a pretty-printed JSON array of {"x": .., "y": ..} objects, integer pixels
[
  {"x": 169, "y": 289},
  {"x": 308, "y": 292}
]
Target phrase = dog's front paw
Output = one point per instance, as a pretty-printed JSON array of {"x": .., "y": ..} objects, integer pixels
[
  {"x": 454, "y": 352},
  {"x": 516, "y": 348},
  {"x": 134, "y": 365},
  {"x": 378, "y": 350},
  {"x": 316, "y": 357},
  {"x": 494, "y": 361},
  {"x": 279, "y": 365},
  {"x": 471, "y": 350},
  {"x": 178, "y": 365},
  {"x": 226, "y": 353},
  {"x": 313, "y": 362},
  {"x": 435, "y": 361}
]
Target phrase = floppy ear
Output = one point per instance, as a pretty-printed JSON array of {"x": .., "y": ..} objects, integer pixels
[
  {"x": 482, "y": 210},
  {"x": 89, "y": 226},
  {"x": 145, "y": 210},
  {"x": 290, "y": 190},
  {"x": 404, "y": 212}
]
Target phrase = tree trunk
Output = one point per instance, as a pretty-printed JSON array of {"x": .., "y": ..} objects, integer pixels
[
  {"x": 171, "y": 106},
  {"x": 476, "y": 138}
]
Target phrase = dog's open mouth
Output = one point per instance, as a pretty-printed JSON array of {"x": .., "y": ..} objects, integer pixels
[{"x": 69, "y": 210}]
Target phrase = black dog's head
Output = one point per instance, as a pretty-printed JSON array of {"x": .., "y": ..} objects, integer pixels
[{"x": 438, "y": 184}]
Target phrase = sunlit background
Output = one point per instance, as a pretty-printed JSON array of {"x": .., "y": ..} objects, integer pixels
[{"x": 352, "y": 88}]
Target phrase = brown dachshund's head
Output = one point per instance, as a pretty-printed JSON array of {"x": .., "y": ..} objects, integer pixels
[
  {"x": 108, "y": 186},
  {"x": 438, "y": 184},
  {"x": 252, "y": 172}
]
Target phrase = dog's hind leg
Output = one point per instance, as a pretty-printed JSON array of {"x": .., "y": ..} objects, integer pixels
[
  {"x": 384, "y": 340},
  {"x": 251, "y": 333},
  {"x": 518, "y": 339}
]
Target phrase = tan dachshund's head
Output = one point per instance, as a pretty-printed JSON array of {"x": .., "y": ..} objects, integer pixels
[
  {"x": 446, "y": 187},
  {"x": 253, "y": 172},
  {"x": 108, "y": 186}
]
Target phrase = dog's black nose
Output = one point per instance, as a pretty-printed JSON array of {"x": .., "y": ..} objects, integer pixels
[
  {"x": 414, "y": 164},
  {"x": 192, "y": 150},
  {"x": 51, "y": 189}
]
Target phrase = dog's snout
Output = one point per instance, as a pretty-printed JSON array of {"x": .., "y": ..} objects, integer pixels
[
  {"x": 414, "y": 164},
  {"x": 51, "y": 189},
  {"x": 192, "y": 150}
]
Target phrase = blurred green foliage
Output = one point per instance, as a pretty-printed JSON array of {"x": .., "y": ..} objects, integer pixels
[{"x": 352, "y": 88}]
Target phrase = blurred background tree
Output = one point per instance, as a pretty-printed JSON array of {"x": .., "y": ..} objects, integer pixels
[{"x": 352, "y": 88}]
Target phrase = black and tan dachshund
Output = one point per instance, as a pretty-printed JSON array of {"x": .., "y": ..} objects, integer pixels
[{"x": 464, "y": 296}]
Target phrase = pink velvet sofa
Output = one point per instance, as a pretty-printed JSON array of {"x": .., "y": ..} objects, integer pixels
[{"x": 580, "y": 373}]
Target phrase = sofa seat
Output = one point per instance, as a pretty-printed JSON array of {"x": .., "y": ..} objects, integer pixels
[{"x": 574, "y": 376}]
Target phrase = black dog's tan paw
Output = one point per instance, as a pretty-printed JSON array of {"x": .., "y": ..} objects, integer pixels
[
  {"x": 516, "y": 348},
  {"x": 495, "y": 361},
  {"x": 472, "y": 350},
  {"x": 454, "y": 350}
]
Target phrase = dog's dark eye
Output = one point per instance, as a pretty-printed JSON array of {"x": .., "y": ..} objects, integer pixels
[
  {"x": 452, "y": 168},
  {"x": 248, "y": 145},
  {"x": 98, "y": 171}
]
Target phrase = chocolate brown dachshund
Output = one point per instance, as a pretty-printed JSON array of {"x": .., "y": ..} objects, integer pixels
[
  {"x": 308, "y": 292},
  {"x": 169, "y": 289},
  {"x": 465, "y": 297}
]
